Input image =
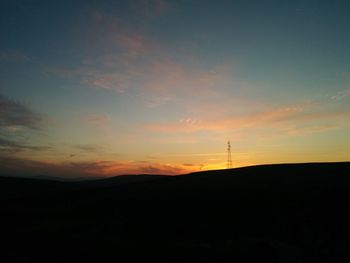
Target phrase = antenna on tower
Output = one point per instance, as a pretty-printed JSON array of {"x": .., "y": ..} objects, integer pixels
[{"x": 229, "y": 157}]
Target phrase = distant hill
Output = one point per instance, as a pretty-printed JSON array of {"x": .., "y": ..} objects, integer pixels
[
  {"x": 275, "y": 213},
  {"x": 15, "y": 187},
  {"x": 121, "y": 179}
]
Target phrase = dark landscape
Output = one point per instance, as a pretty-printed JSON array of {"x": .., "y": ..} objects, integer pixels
[
  {"x": 174, "y": 131},
  {"x": 272, "y": 213}
]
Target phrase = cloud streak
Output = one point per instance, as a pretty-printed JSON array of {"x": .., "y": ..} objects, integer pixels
[
  {"x": 10, "y": 146},
  {"x": 18, "y": 124},
  {"x": 135, "y": 62},
  {"x": 13, "y": 113},
  {"x": 341, "y": 95},
  {"x": 287, "y": 118}
]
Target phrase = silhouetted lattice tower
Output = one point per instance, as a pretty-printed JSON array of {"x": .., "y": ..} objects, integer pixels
[{"x": 229, "y": 157}]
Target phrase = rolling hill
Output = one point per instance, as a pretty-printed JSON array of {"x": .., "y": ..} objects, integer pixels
[{"x": 278, "y": 213}]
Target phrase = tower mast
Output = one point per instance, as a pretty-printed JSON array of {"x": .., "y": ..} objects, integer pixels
[{"x": 229, "y": 157}]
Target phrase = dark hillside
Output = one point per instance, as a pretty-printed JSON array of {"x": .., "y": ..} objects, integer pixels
[{"x": 278, "y": 213}]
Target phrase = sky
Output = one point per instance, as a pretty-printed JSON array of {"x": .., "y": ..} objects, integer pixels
[{"x": 104, "y": 88}]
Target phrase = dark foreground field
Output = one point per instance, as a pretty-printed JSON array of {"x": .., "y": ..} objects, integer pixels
[{"x": 272, "y": 213}]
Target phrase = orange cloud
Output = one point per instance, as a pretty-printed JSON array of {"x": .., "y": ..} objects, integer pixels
[
  {"x": 280, "y": 118},
  {"x": 99, "y": 168},
  {"x": 147, "y": 168}
]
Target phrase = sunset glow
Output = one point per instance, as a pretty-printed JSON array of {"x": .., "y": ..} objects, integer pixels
[{"x": 160, "y": 86}]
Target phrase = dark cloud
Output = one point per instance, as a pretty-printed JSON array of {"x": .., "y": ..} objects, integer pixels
[
  {"x": 17, "y": 124},
  {"x": 19, "y": 166},
  {"x": 13, "y": 113},
  {"x": 11, "y": 146},
  {"x": 189, "y": 164},
  {"x": 16, "y": 166}
]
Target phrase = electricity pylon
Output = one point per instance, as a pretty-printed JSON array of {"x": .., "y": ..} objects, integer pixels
[{"x": 229, "y": 157}]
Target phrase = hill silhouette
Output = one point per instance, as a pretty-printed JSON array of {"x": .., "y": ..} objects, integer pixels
[{"x": 278, "y": 213}]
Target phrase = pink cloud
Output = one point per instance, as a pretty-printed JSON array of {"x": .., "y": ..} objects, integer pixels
[
  {"x": 130, "y": 55},
  {"x": 108, "y": 32},
  {"x": 133, "y": 44},
  {"x": 166, "y": 81},
  {"x": 160, "y": 82},
  {"x": 114, "y": 81}
]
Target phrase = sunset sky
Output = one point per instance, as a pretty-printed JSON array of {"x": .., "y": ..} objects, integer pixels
[{"x": 102, "y": 88}]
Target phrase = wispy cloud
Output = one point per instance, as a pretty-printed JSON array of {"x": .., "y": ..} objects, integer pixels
[
  {"x": 133, "y": 44},
  {"x": 291, "y": 119},
  {"x": 10, "y": 146},
  {"x": 234, "y": 122},
  {"x": 170, "y": 81},
  {"x": 108, "y": 81},
  {"x": 341, "y": 94},
  {"x": 18, "y": 124},
  {"x": 163, "y": 169},
  {"x": 117, "y": 35},
  {"x": 160, "y": 81},
  {"x": 132, "y": 60},
  {"x": 14, "y": 113}
]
